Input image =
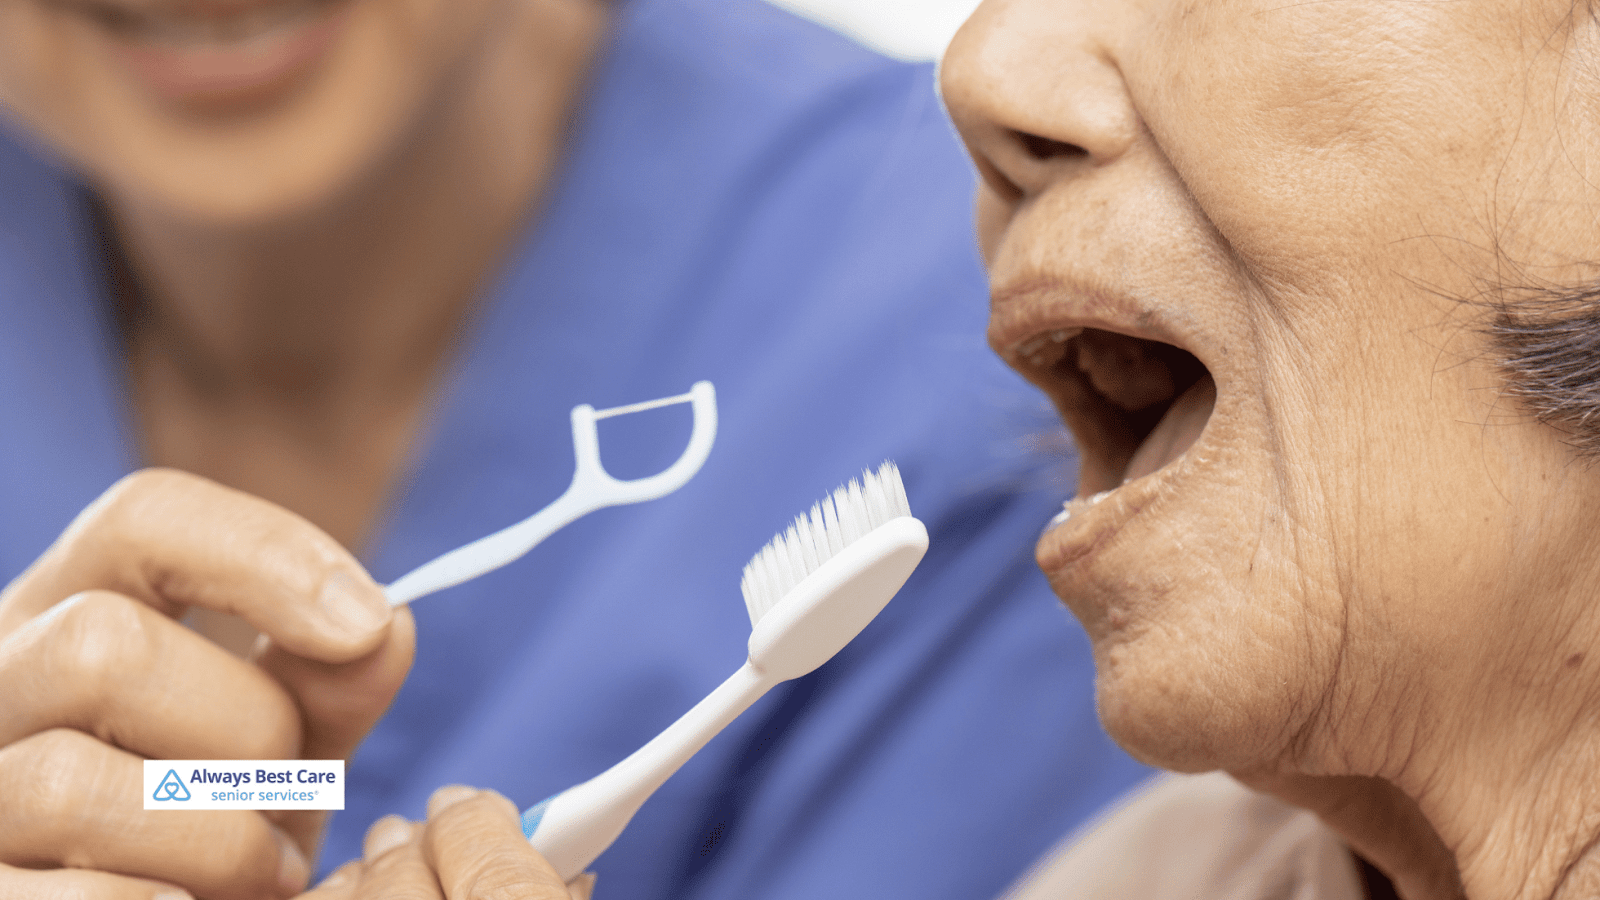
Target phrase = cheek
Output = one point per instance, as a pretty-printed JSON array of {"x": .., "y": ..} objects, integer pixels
[
  {"x": 1319, "y": 137},
  {"x": 38, "y": 79}
]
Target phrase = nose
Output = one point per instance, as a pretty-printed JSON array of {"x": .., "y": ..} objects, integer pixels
[{"x": 1035, "y": 91}]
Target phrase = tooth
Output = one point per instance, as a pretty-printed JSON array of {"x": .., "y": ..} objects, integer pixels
[
  {"x": 1031, "y": 347},
  {"x": 1060, "y": 517}
]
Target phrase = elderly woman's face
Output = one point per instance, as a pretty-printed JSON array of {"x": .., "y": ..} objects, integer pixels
[
  {"x": 229, "y": 108},
  {"x": 1324, "y": 515}
]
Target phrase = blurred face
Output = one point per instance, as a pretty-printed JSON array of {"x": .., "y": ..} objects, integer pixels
[
  {"x": 1230, "y": 239},
  {"x": 230, "y": 109}
]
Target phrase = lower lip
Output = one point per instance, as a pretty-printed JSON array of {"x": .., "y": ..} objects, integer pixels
[
  {"x": 1087, "y": 524},
  {"x": 212, "y": 73},
  {"x": 1182, "y": 427}
]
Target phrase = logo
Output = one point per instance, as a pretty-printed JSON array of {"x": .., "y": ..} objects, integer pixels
[
  {"x": 170, "y": 788},
  {"x": 241, "y": 783}
]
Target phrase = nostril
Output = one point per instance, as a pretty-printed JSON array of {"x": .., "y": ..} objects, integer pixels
[{"x": 1044, "y": 149}]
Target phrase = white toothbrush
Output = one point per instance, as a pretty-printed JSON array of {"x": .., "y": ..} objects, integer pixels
[
  {"x": 592, "y": 488},
  {"x": 809, "y": 592}
]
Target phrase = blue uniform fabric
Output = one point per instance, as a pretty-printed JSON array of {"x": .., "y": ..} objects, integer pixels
[{"x": 747, "y": 199}]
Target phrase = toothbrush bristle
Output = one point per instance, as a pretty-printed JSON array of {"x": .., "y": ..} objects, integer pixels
[{"x": 836, "y": 522}]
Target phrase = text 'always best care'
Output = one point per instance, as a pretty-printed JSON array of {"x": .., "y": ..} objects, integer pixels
[{"x": 243, "y": 784}]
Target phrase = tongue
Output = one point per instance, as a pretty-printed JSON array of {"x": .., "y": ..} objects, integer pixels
[{"x": 1177, "y": 430}]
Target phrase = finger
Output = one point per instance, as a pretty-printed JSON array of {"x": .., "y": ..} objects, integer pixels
[
  {"x": 114, "y": 668},
  {"x": 386, "y": 834},
  {"x": 174, "y": 540},
  {"x": 339, "y": 884},
  {"x": 477, "y": 848},
  {"x": 339, "y": 705},
  {"x": 71, "y": 800},
  {"x": 448, "y": 796},
  {"x": 398, "y": 872},
  {"x": 582, "y": 887},
  {"x": 81, "y": 884}
]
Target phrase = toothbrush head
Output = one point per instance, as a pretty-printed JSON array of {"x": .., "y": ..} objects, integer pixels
[
  {"x": 815, "y": 586},
  {"x": 834, "y": 523}
]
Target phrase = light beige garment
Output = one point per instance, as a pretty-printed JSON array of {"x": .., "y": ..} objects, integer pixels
[{"x": 1197, "y": 837}]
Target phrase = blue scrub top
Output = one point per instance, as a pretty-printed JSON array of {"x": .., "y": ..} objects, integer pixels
[{"x": 748, "y": 199}]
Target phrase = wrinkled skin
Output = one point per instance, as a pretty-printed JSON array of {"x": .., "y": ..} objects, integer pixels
[
  {"x": 1360, "y": 577},
  {"x": 471, "y": 848}
]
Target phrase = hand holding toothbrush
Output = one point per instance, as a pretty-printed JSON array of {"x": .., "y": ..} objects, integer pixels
[{"x": 471, "y": 848}]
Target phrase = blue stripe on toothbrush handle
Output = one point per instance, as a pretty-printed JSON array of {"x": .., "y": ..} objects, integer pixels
[{"x": 531, "y": 818}]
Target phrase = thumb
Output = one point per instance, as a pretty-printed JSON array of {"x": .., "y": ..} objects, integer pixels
[
  {"x": 475, "y": 845},
  {"x": 582, "y": 887},
  {"x": 339, "y": 704},
  {"x": 342, "y": 702}
]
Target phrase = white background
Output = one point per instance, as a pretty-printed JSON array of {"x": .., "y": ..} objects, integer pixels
[{"x": 909, "y": 29}]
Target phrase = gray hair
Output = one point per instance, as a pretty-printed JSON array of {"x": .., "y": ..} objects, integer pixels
[{"x": 1548, "y": 342}]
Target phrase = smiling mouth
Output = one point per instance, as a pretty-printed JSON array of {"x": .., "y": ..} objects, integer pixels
[
  {"x": 1134, "y": 405},
  {"x": 197, "y": 23},
  {"x": 215, "y": 57}
]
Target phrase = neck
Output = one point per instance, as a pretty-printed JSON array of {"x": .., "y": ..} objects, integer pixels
[
  {"x": 362, "y": 296},
  {"x": 1521, "y": 810},
  {"x": 1503, "y": 807}
]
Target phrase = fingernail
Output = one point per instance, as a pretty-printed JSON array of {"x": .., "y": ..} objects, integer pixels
[
  {"x": 173, "y": 895},
  {"x": 385, "y": 834},
  {"x": 449, "y": 796},
  {"x": 352, "y": 610},
  {"x": 57, "y": 611},
  {"x": 339, "y": 878},
  {"x": 582, "y": 887},
  {"x": 293, "y": 870},
  {"x": 258, "y": 648}
]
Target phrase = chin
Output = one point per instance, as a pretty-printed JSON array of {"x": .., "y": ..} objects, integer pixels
[
  {"x": 241, "y": 184},
  {"x": 1184, "y": 703}
]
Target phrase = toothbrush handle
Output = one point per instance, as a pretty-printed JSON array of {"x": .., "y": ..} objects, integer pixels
[{"x": 575, "y": 826}]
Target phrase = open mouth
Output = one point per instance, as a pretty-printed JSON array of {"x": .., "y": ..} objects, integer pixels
[{"x": 1134, "y": 405}]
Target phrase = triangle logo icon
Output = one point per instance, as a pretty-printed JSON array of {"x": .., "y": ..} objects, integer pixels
[{"x": 171, "y": 788}]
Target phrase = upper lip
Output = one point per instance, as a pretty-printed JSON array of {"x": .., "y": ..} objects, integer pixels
[
  {"x": 1027, "y": 311},
  {"x": 1024, "y": 309}
]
